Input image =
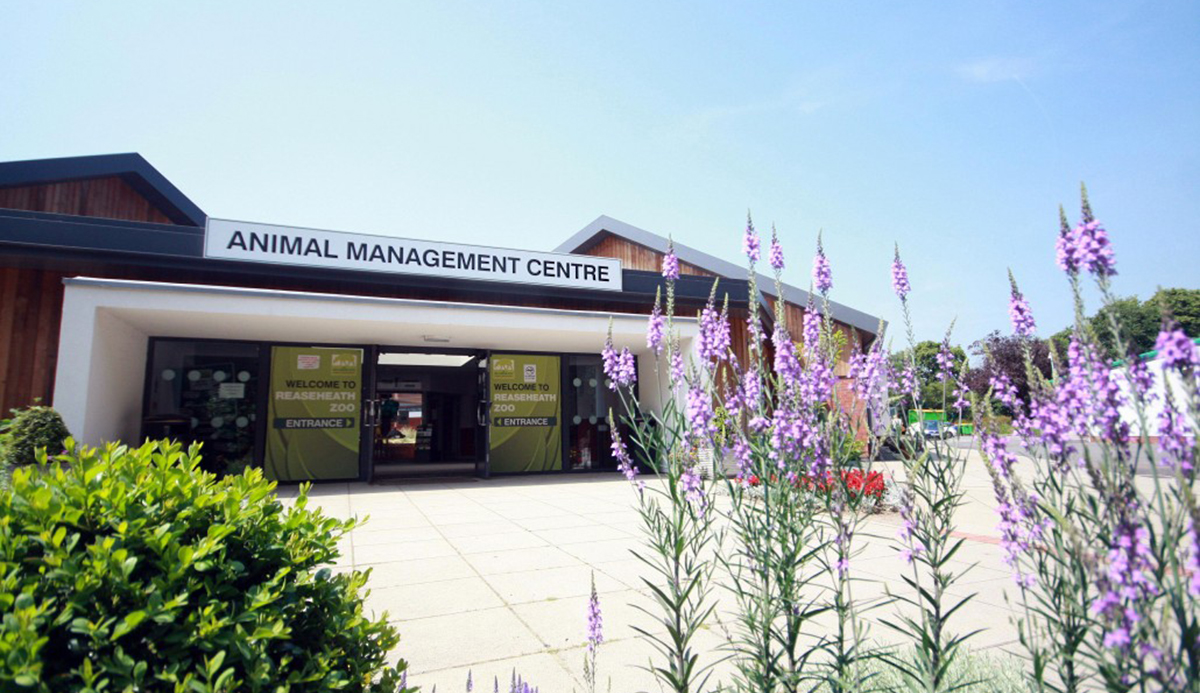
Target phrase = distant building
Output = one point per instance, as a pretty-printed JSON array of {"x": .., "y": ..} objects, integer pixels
[{"x": 1162, "y": 379}]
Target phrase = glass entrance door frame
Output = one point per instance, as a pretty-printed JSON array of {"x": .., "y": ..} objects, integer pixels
[{"x": 371, "y": 403}]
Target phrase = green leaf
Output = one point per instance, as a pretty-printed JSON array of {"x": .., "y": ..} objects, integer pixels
[{"x": 131, "y": 621}]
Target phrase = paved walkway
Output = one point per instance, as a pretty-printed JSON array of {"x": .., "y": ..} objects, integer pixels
[{"x": 492, "y": 576}]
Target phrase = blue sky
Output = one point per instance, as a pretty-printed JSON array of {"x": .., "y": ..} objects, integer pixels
[{"x": 955, "y": 129}]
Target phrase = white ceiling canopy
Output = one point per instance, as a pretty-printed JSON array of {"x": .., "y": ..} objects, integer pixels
[{"x": 426, "y": 360}]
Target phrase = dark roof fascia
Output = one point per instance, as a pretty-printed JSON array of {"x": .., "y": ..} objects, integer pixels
[
  {"x": 90, "y": 234},
  {"x": 130, "y": 167},
  {"x": 591, "y": 234},
  {"x": 67, "y": 242}
]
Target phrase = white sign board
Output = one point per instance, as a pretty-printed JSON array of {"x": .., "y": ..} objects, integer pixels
[{"x": 285, "y": 245}]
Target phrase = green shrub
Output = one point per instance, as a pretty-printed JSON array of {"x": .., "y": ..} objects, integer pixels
[
  {"x": 5, "y": 424},
  {"x": 997, "y": 424},
  {"x": 133, "y": 569},
  {"x": 30, "y": 429}
]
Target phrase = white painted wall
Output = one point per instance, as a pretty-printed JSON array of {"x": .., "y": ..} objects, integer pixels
[
  {"x": 1157, "y": 398},
  {"x": 107, "y": 323},
  {"x": 101, "y": 372}
]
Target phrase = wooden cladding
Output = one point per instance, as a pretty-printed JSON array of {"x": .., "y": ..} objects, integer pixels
[
  {"x": 30, "y": 317},
  {"x": 108, "y": 198},
  {"x": 639, "y": 257},
  {"x": 794, "y": 315}
]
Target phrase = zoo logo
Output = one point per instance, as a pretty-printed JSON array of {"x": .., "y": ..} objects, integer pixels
[
  {"x": 504, "y": 369},
  {"x": 344, "y": 364}
]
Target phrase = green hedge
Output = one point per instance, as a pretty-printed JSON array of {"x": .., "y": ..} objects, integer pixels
[
  {"x": 31, "y": 429},
  {"x": 125, "y": 569}
]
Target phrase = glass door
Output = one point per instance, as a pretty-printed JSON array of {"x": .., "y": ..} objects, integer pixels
[
  {"x": 369, "y": 416},
  {"x": 482, "y": 416}
]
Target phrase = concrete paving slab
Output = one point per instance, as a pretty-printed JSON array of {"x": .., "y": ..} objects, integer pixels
[
  {"x": 402, "y": 551},
  {"x": 480, "y": 529},
  {"x": 577, "y": 535},
  {"x": 488, "y": 576},
  {"x": 497, "y": 542},
  {"x": 465, "y": 639},
  {"x": 392, "y": 536},
  {"x": 415, "y": 571},
  {"x": 601, "y": 551},
  {"x": 550, "y": 583},
  {"x": 562, "y": 623},
  {"x": 540, "y": 558},
  {"x": 559, "y": 520},
  {"x": 433, "y": 599},
  {"x": 545, "y": 671}
]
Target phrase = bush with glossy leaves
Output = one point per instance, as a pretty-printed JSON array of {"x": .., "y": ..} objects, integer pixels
[{"x": 134, "y": 569}]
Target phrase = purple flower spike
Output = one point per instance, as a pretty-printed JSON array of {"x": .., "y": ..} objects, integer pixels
[
  {"x": 822, "y": 275},
  {"x": 691, "y": 485},
  {"x": 700, "y": 413},
  {"x": 776, "y": 256},
  {"x": 1176, "y": 349},
  {"x": 715, "y": 338},
  {"x": 1018, "y": 310},
  {"x": 626, "y": 369},
  {"x": 811, "y": 326},
  {"x": 1093, "y": 252},
  {"x": 750, "y": 242},
  {"x": 751, "y": 391},
  {"x": 654, "y": 330},
  {"x": 1065, "y": 245},
  {"x": 908, "y": 525},
  {"x": 595, "y": 622},
  {"x": 677, "y": 372},
  {"x": 470, "y": 682},
  {"x": 900, "y": 277},
  {"x": 1126, "y": 583},
  {"x": 787, "y": 366},
  {"x": 624, "y": 462},
  {"x": 670, "y": 263},
  {"x": 620, "y": 369},
  {"x": 1086, "y": 247},
  {"x": 609, "y": 357},
  {"x": 945, "y": 360},
  {"x": 1176, "y": 440}
]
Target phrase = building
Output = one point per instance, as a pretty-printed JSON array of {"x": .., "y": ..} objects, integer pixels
[
  {"x": 1165, "y": 384},
  {"x": 323, "y": 355}
]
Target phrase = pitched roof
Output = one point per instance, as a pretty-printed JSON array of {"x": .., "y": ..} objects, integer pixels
[
  {"x": 605, "y": 225},
  {"x": 131, "y": 168}
]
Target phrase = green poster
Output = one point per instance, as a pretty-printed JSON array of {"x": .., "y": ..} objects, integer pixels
[
  {"x": 313, "y": 413},
  {"x": 526, "y": 411}
]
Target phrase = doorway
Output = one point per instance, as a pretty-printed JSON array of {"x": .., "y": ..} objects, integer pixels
[{"x": 424, "y": 414}]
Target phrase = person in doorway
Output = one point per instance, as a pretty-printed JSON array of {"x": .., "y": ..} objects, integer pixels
[{"x": 387, "y": 413}]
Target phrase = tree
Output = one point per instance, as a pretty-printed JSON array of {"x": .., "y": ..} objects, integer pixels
[
  {"x": 1006, "y": 354},
  {"x": 927, "y": 371},
  {"x": 1140, "y": 321},
  {"x": 1183, "y": 305}
]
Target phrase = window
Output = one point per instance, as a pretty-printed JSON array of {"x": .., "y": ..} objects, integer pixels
[
  {"x": 205, "y": 392},
  {"x": 587, "y": 403}
]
